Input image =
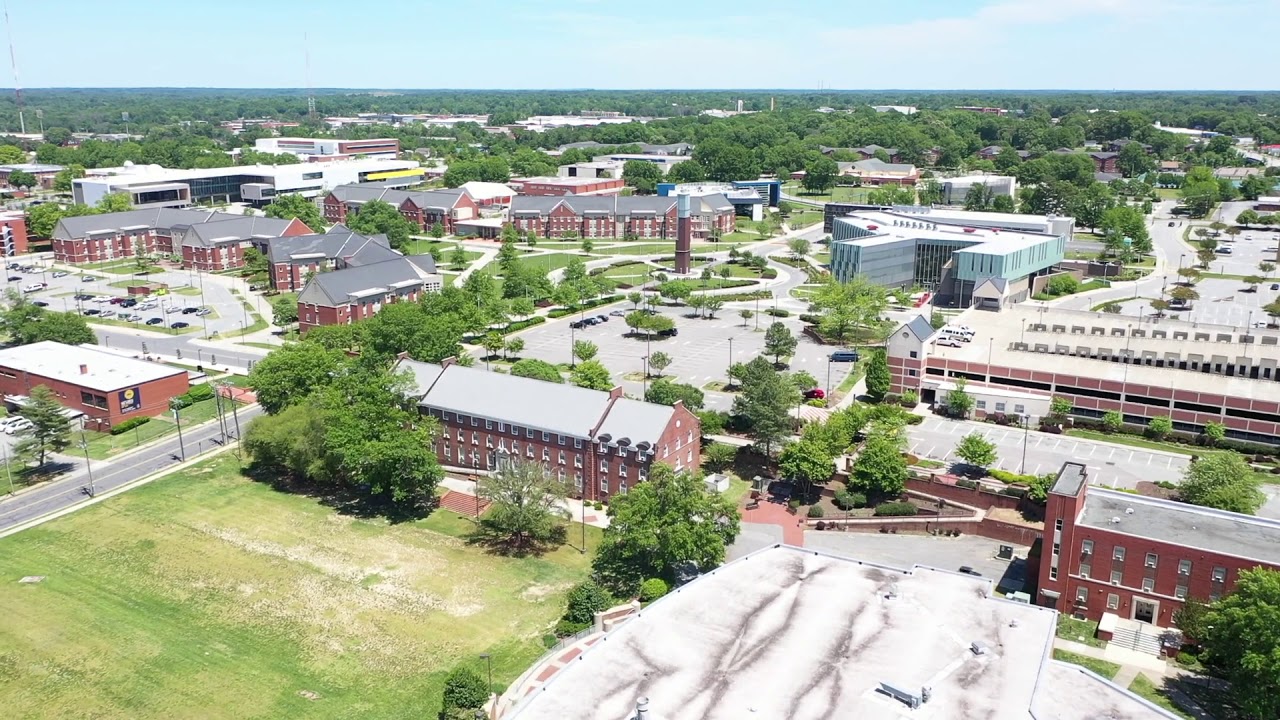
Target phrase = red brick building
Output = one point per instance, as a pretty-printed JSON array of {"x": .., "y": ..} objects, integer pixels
[
  {"x": 1140, "y": 558},
  {"x": 601, "y": 442},
  {"x": 1105, "y": 162},
  {"x": 292, "y": 259},
  {"x": 358, "y": 292},
  {"x": 618, "y": 217},
  {"x": 13, "y": 233},
  {"x": 422, "y": 208},
  {"x": 104, "y": 386},
  {"x": 1105, "y": 362},
  {"x": 205, "y": 240},
  {"x": 563, "y": 186},
  {"x": 43, "y": 173}
]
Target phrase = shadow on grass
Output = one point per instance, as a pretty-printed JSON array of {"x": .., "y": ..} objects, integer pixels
[
  {"x": 347, "y": 501},
  {"x": 498, "y": 542}
]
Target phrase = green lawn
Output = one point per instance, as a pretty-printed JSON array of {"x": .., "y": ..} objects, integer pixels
[
  {"x": 1081, "y": 631},
  {"x": 104, "y": 445},
  {"x": 424, "y": 247},
  {"x": 549, "y": 261},
  {"x": 1147, "y": 690},
  {"x": 804, "y": 218},
  {"x": 641, "y": 249},
  {"x": 1106, "y": 669},
  {"x": 207, "y": 595},
  {"x": 736, "y": 271},
  {"x": 1133, "y": 441}
]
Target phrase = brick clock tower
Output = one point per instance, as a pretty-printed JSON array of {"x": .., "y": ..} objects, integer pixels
[{"x": 684, "y": 234}]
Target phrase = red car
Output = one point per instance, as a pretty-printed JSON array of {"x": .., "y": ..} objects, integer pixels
[{"x": 815, "y": 394}]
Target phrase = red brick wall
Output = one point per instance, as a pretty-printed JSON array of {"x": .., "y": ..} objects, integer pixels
[
  {"x": 335, "y": 211},
  {"x": 604, "y": 186},
  {"x": 155, "y": 395},
  {"x": 209, "y": 259},
  {"x": 104, "y": 247},
  {"x": 18, "y": 233}
]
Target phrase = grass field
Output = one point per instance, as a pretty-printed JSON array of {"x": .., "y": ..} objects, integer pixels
[
  {"x": 804, "y": 218},
  {"x": 1144, "y": 688},
  {"x": 1081, "y": 631},
  {"x": 1106, "y": 669},
  {"x": 424, "y": 247},
  {"x": 208, "y": 595},
  {"x": 103, "y": 445},
  {"x": 549, "y": 261}
]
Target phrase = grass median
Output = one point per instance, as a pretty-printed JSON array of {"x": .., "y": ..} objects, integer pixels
[{"x": 207, "y": 594}]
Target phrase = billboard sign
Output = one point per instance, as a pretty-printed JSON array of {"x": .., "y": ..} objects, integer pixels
[{"x": 130, "y": 400}]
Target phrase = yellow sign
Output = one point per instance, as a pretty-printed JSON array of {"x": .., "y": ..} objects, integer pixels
[{"x": 395, "y": 174}]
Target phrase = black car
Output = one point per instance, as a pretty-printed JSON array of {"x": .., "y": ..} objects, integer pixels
[
  {"x": 155, "y": 321},
  {"x": 1275, "y": 286},
  {"x": 93, "y": 311},
  {"x": 577, "y": 324},
  {"x": 602, "y": 318},
  {"x": 40, "y": 303},
  {"x": 128, "y": 303},
  {"x": 82, "y": 296},
  {"x": 969, "y": 571},
  {"x": 15, "y": 278},
  {"x": 12, "y": 266},
  {"x": 179, "y": 325},
  {"x": 190, "y": 310},
  {"x": 672, "y": 332}
]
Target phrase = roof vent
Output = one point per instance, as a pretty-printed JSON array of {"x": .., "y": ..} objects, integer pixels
[
  {"x": 873, "y": 227},
  {"x": 642, "y": 709},
  {"x": 643, "y": 445},
  {"x": 969, "y": 230},
  {"x": 624, "y": 441},
  {"x": 1128, "y": 511},
  {"x": 978, "y": 647},
  {"x": 604, "y": 437},
  {"x": 1115, "y": 520}
]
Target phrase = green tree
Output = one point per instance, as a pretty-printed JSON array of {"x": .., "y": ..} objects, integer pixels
[
  {"x": 290, "y": 443},
  {"x": 880, "y": 469},
  {"x": 1091, "y": 204},
  {"x": 1063, "y": 284},
  {"x": 778, "y": 341},
  {"x": 521, "y": 307},
  {"x": 665, "y": 392},
  {"x": 12, "y": 155},
  {"x": 437, "y": 230},
  {"x": 1242, "y": 641},
  {"x": 50, "y": 429},
  {"x": 1222, "y": 480},
  {"x": 591, "y": 375},
  {"x": 62, "y": 182},
  {"x": 289, "y": 374},
  {"x": 979, "y": 197},
  {"x": 1253, "y": 281},
  {"x": 1214, "y": 432},
  {"x": 820, "y": 175},
  {"x": 959, "y": 402},
  {"x": 585, "y": 350},
  {"x": 659, "y": 361},
  {"x": 43, "y": 219},
  {"x": 661, "y": 526},
  {"x": 977, "y": 451},
  {"x": 1134, "y": 160},
  {"x": 525, "y": 512},
  {"x": 642, "y": 175},
  {"x": 1184, "y": 294},
  {"x": 765, "y": 403},
  {"x": 1189, "y": 275},
  {"x": 514, "y": 347},
  {"x": 113, "y": 203},
  {"x": 291, "y": 206},
  {"x": 719, "y": 456},
  {"x": 1060, "y": 407},
  {"x": 878, "y": 378},
  {"x": 1112, "y": 421},
  {"x": 464, "y": 689},
  {"x": 492, "y": 343},
  {"x": 22, "y": 179},
  {"x": 585, "y": 600},
  {"x": 25, "y": 323},
  {"x": 806, "y": 461},
  {"x": 382, "y": 218},
  {"x": 284, "y": 310},
  {"x": 675, "y": 290},
  {"x": 798, "y": 246},
  {"x": 536, "y": 369},
  {"x": 746, "y": 316}
]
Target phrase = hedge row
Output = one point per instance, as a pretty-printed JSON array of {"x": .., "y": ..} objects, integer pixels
[
  {"x": 197, "y": 393},
  {"x": 561, "y": 312},
  {"x": 742, "y": 297},
  {"x": 896, "y": 509},
  {"x": 1188, "y": 438},
  {"x": 127, "y": 425}
]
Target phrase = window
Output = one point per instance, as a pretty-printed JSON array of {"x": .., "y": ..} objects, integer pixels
[
  {"x": 546, "y": 455},
  {"x": 981, "y": 404},
  {"x": 604, "y": 465},
  {"x": 1184, "y": 567},
  {"x": 488, "y": 441},
  {"x": 475, "y": 422},
  {"x": 1057, "y": 524},
  {"x": 577, "y": 443},
  {"x": 604, "y": 485},
  {"x": 528, "y": 450},
  {"x": 561, "y": 457},
  {"x": 689, "y": 437},
  {"x": 912, "y": 372},
  {"x": 1020, "y": 409},
  {"x": 622, "y": 452},
  {"x": 560, "y": 475},
  {"x": 665, "y": 451},
  {"x": 577, "y": 461},
  {"x": 689, "y": 458},
  {"x": 999, "y": 407},
  {"x": 546, "y": 436},
  {"x": 622, "y": 488},
  {"x": 488, "y": 424},
  {"x": 577, "y": 480},
  {"x": 515, "y": 447},
  {"x": 448, "y": 454},
  {"x": 622, "y": 470},
  {"x": 502, "y": 427},
  {"x": 92, "y": 400},
  {"x": 560, "y": 438},
  {"x": 1113, "y": 601},
  {"x": 1148, "y": 585},
  {"x": 1086, "y": 547},
  {"x": 1057, "y": 549},
  {"x": 1116, "y": 576},
  {"x": 528, "y": 432},
  {"x": 913, "y": 354},
  {"x": 502, "y": 444},
  {"x": 1085, "y": 569},
  {"x": 1151, "y": 560},
  {"x": 475, "y": 438},
  {"x": 461, "y": 436},
  {"x": 1053, "y": 573},
  {"x": 1180, "y": 592},
  {"x": 1082, "y": 595},
  {"x": 1117, "y": 553},
  {"x": 1219, "y": 574}
]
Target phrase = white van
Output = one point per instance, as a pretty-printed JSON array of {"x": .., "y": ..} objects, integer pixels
[
  {"x": 955, "y": 334},
  {"x": 33, "y": 287}
]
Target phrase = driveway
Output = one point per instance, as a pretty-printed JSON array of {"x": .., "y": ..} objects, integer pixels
[{"x": 1108, "y": 464}]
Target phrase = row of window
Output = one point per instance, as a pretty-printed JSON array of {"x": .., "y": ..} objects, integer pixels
[{"x": 1000, "y": 407}]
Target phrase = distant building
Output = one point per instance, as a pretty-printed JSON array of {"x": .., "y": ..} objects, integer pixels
[
  {"x": 617, "y": 217},
  {"x": 602, "y": 442},
  {"x": 13, "y": 233},
  {"x": 486, "y": 194},
  {"x": 983, "y": 110},
  {"x": 293, "y": 258},
  {"x": 106, "y": 388},
  {"x": 423, "y": 208},
  {"x": 956, "y": 190},
  {"x": 1105, "y": 162},
  {"x": 666, "y": 162},
  {"x": 901, "y": 109},
  {"x": 561, "y": 186},
  {"x": 357, "y": 292},
  {"x": 43, "y": 173},
  {"x": 314, "y": 149},
  {"x": 593, "y": 169},
  {"x": 866, "y": 152},
  {"x": 748, "y": 202},
  {"x": 1267, "y": 204},
  {"x": 877, "y": 172},
  {"x": 205, "y": 240},
  {"x": 1112, "y": 556},
  {"x": 645, "y": 148}
]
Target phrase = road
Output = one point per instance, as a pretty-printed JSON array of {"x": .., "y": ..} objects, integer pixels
[{"x": 67, "y": 490}]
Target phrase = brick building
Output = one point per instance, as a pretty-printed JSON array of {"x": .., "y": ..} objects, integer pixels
[
  {"x": 562, "y": 186},
  {"x": 292, "y": 258},
  {"x": 105, "y": 387},
  {"x": 358, "y": 292},
  {"x": 422, "y": 208},
  {"x": 1105, "y": 162},
  {"x": 602, "y": 442},
  {"x": 205, "y": 240},
  {"x": 1192, "y": 373},
  {"x": 13, "y": 233},
  {"x": 618, "y": 217},
  {"x": 1138, "y": 558},
  {"x": 321, "y": 149},
  {"x": 44, "y": 173}
]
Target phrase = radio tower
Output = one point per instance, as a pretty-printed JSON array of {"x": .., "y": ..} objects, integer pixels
[
  {"x": 311, "y": 98},
  {"x": 13, "y": 59}
]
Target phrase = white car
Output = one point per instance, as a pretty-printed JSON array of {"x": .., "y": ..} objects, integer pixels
[
  {"x": 17, "y": 426},
  {"x": 33, "y": 287}
]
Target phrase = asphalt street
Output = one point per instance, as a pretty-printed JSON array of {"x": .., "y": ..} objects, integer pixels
[
  {"x": 1108, "y": 464},
  {"x": 69, "y": 489}
]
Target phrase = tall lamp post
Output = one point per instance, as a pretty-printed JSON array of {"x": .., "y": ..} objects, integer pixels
[
  {"x": 729, "y": 368},
  {"x": 84, "y": 445},
  {"x": 488, "y": 659},
  {"x": 1026, "y": 430}
]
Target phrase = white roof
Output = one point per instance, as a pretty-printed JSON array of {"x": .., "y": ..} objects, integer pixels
[
  {"x": 138, "y": 174},
  {"x": 103, "y": 371},
  {"x": 487, "y": 190}
]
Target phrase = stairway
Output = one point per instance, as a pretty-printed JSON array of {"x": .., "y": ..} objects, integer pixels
[
  {"x": 462, "y": 503},
  {"x": 1140, "y": 638}
]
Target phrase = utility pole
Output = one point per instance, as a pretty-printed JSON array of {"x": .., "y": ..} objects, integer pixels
[
  {"x": 9, "y": 472},
  {"x": 177, "y": 420},
  {"x": 84, "y": 445},
  {"x": 217, "y": 403},
  {"x": 236, "y": 416}
]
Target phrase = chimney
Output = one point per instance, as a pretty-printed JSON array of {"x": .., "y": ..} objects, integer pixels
[
  {"x": 642, "y": 709},
  {"x": 84, "y": 369},
  {"x": 684, "y": 234}
]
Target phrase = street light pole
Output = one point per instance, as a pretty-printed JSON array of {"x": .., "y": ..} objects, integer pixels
[
  {"x": 177, "y": 420},
  {"x": 729, "y": 369},
  {"x": 1026, "y": 430},
  {"x": 489, "y": 661},
  {"x": 84, "y": 445}
]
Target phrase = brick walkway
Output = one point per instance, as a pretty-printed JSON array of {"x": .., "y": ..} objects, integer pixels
[
  {"x": 463, "y": 503},
  {"x": 770, "y": 513}
]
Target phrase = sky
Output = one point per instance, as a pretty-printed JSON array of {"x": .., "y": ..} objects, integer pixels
[{"x": 622, "y": 44}]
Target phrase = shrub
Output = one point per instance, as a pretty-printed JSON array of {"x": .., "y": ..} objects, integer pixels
[
  {"x": 464, "y": 689},
  {"x": 549, "y": 640},
  {"x": 598, "y": 505},
  {"x": 1008, "y": 478},
  {"x": 585, "y": 305},
  {"x": 769, "y": 273},
  {"x": 778, "y": 312},
  {"x": 200, "y": 392},
  {"x": 910, "y": 398},
  {"x": 810, "y": 318},
  {"x": 1185, "y": 658},
  {"x": 565, "y": 628},
  {"x": 896, "y": 509},
  {"x": 653, "y": 588},
  {"x": 970, "y": 484},
  {"x": 815, "y": 511},
  {"x": 128, "y": 425},
  {"x": 713, "y": 421},
  {"x": 913, "y": 419},
  {"x": 793, "y": 504},
  {"x": 519, "y": 325},
  {"x": 585, "y": 600},
  {"x": 850, "y": 500},
  {"x": 1168, "y": 485}
]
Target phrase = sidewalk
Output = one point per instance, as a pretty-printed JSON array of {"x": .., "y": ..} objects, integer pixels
[{"x": 575, "y": 509}]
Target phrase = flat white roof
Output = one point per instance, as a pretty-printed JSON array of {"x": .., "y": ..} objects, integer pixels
[
  {"x": 792, "y": 633},
  {"x": 140, "y": 174},
  {"x": 894, "y": 226},
  {"x": 104, "y": 371}
]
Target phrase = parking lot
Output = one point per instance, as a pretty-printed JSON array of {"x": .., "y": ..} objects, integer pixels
[
  {"x": 1248, "y": 249},
  {"x": 1222, "y": 302},
  {"x": 1108, "y": 464},
  {"x": 701, "y": 351}
]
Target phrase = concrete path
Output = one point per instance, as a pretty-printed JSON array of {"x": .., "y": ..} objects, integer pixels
[{"x": 576, "y": 510}]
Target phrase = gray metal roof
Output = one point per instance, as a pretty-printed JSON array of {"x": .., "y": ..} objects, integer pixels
[
  {"x": 875, "y": 165},
  {"x": 1177, "y": 523},
  {"x": 921, "y": 328},
  {"x": 363, "y": 193},
  {"x": 233, "y": 228},
  {"x": 423, "y": 375},
  {"x": 331, "y": 289},
  {"x": 562, "y": 409},
  {"x": 338, "y": 242},
  {"x": 636, "y": 421},
  {"x": 70, "y": 228},
  {"x": 612, "y": 205}
]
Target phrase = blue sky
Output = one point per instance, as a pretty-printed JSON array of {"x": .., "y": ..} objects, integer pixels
[{"x": 844, "y": 44}]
